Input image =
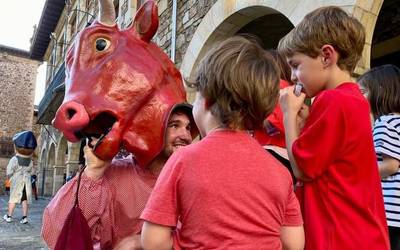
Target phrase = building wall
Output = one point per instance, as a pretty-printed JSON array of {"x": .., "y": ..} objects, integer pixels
[{"x": 17, "y": 91}]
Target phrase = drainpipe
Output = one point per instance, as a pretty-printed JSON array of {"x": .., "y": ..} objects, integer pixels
[{"x": 173, "y": 32}]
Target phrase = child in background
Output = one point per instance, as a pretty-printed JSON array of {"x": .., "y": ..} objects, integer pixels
[
  {"x": 272, "y": 135},
  {"x": 227, "y": 192},
  {"x": 333, "y": 154},
  {"x": 381, "y": 86}
]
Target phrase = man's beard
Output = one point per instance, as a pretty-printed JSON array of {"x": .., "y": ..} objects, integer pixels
[{"x": 167, "y": 152}]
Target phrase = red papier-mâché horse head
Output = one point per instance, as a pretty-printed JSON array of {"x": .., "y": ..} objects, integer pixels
[{"x": 120, "y": 87}]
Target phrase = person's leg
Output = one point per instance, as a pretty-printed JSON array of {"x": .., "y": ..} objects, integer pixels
[
  {"x": 7, "y": 217},
  {"x": 11, "y": 208},
  {"x": 24, "y": 202},
  {"x": 25, "y": 208},
  {"x": 394, "y": 236}
]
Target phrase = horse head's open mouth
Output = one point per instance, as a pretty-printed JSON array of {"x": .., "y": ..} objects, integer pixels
[{"x": 98, "y": 127}]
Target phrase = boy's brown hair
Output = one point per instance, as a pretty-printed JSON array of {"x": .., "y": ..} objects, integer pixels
[
  {"x": 283, "y": 66},
  {"x": 327, "y": 25},
  {"x": 383, "y": 86},
  {"x": 240, "y": 83}
]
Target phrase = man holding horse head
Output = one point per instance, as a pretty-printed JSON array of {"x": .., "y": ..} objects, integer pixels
[{"x": 113, "y": 194}]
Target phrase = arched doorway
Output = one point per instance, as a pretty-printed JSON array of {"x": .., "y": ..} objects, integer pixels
[
  {"x": 269, "y": 28},
  {"x": 270, "y": 20},
  {"x": 262, "y": 21},
  {"x": 48, "y": 171},
  {"x": 386, "y": 35},
  {"x": 59, "y": 173}
]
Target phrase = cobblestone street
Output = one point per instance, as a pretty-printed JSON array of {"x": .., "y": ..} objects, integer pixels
[{"x": 22, "y": 236}]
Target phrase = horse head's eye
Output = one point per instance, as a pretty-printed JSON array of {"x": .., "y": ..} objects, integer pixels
[{"x": 102, "y": 44}]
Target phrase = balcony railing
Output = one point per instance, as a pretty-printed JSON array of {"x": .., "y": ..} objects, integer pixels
[{"x": 52, "y": 98}]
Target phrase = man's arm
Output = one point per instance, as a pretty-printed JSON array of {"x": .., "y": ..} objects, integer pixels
[
  {"x": 156, "y": 237},
  {"x": 292, "y": 238}
]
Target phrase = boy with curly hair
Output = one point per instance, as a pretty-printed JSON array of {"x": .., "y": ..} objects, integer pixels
[{"x": 227, "y": 192}]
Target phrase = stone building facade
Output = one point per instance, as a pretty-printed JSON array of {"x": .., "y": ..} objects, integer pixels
[
  {"x": 187, "y": 30},
  {"x": 17, "y": 91}
]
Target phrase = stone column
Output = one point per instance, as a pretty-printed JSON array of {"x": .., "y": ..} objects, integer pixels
[
  {"x": 39, "y": 177},
  {"x": 72, "y": 162},
  {"x": 47, "y": 174},
  {"x": 58, "y": 178},
  {"x": 72, "y": 166}
]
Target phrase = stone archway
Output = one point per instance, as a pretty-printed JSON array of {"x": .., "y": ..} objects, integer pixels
[
  {"x": 367, "y": 12},
  {"x": 48, "y": 171},
  {"x": 385, "y": 45},
  {"x": 225, "y": 18},
  {"x": 59, "y": 167}
]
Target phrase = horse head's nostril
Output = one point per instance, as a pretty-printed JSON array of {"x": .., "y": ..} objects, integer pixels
[
  {"x": 71, "y": 117},
  {"x": 71, "y": 113}
]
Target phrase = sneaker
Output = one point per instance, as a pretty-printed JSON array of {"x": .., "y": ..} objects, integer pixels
[
  {"x": 23, "y": 220},
  {"x": 7, "y": 218}
]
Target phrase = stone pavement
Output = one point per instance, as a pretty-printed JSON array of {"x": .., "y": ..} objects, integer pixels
[{"x": 22, "y": 236}]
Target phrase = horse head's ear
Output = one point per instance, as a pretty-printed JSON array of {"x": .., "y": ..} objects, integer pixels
[
  {"x": 146, "y": 21},
  {"x": 106, "y": 12}
]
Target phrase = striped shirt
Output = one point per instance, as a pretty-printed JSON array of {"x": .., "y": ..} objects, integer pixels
[{"x": 387, "y": 141}]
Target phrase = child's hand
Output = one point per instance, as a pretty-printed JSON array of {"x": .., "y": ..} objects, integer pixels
[
  {"x": 95, "y": 167},
  {"x": 291, "y": 104},
  {"x": 302, "y": 116}
]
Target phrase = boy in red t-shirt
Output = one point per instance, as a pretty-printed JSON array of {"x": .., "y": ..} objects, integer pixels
[
  {"x": 333, "y": 154},
  {"x": 226, "y": 191}
]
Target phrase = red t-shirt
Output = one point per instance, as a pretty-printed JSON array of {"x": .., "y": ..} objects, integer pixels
[
  {"x": 342, "y": 205},
  {"x": 227, "y": 192}
]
